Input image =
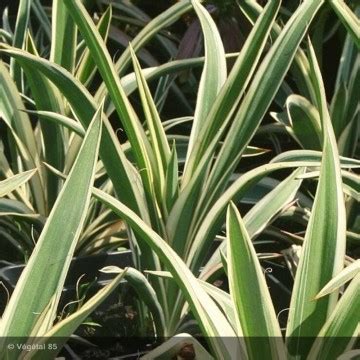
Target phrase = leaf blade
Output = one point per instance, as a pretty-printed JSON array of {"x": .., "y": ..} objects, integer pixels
[
  {"x": 324, "y": 245},
  {"x": 246, "y": 282},
  {"x": 9, "y": 185},
  {"x": 214, "y": 71},
  {"x": 26, "y": 302}
]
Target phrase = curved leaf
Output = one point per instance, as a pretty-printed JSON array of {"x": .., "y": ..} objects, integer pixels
[
  {"x": 233, "y": 88},
  {"x": 139, "y": 142},
  {"x": 121, "y": 172},
  {"x": 340, "y": 279},
  {"x": 146, "y": 293},
  {"x": 29, "y": 309},
  {"x": 211, "y": 320},
  {"x": 257, "y": 218},
  {"x": 305, "y": 122},
  {"x": 259, "y": 96},
  {"x": 12, "y": 183},
  {"x": 247, "y": 282},
  {"x": 341, "y": 330},
  {"x": 59, "y": 334},
  {"x": 214, "y": 71},
  {"x": 325, "y": 239},
  {"x": 348, "y": 18},
  {"x": 11, "y": 107}
]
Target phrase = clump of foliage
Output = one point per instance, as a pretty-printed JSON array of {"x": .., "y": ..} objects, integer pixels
[{"x": 173, "y": 189}]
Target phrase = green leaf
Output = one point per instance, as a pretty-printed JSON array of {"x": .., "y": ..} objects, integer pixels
[
  {"x": 13, "y": 206},
  {"x": 300, "y": 68},
  {"x": 349, "y": 56},
  {"x": 348, "y": 18},
  {"x": 151, "y": 73},
  {"x": 254, "y": 105},
  {"x": 312, "y": 155},
  {"x": 40, "y": 13},
  {"x": 262, "y": 213},
  {"x": 304, "y": 121},
  {"x": 119, "y": 169},
  {"x": 157, "y": 24},
  {"x": 129, "y": 119},
  {"x": 159, "y": 142},
  {"x": 351, "y": 183},
  {"x": 325, "y": 239},
  {"x": 121, "y": 172},
  {"x": 247, "y": 282},
  {"x": 259, "y": 96},
  {"x": 340, "y": 279},
  {"x": 6, "y": 171},
  {"x": 9, "y": 185},
  {"x": 146, "y": 293},
  {"x": 233, "y": 89},
  {"x": 348, "y": 140},
  {"x": 86, "y": 68},
  {"x": 338, "y": 110},
  {"x": 64, "y": 36},
  {"x": 47, "y": 97},
  {"x": 11, "y": 110},
  {"x": 223, "y": 299},
  {"x": 349, "y": 355},
  {"x": 214, "y": 71},
  {"x": 257, "y": 218},
  {"x": 60, "y": 332},
  {"x": 30, "y": 311},
  {"x": 211, "y": 320},
  {"x": 341, "y": 330},
  {"x": 22, "y": 20},
  {"x": 171, "y": 191},
  {"x": 62, "y": 120}
]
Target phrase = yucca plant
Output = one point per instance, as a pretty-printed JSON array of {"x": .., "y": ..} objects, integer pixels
[
  {"x": 31, "y": 207},
  {"x": 174, "y": 202}
]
